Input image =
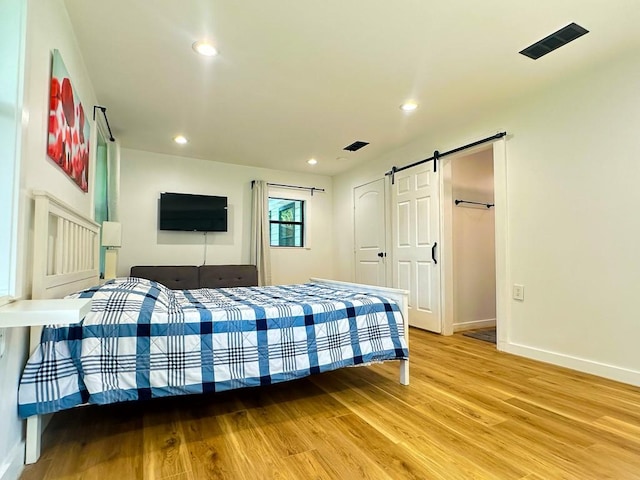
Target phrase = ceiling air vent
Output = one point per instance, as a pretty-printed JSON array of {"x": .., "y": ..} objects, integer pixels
[
  {"x": 356, "y": 146},
  {"x": 554, "y": 41}
]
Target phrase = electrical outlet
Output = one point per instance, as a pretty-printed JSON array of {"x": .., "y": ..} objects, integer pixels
[{"x": 518, "y": 292}]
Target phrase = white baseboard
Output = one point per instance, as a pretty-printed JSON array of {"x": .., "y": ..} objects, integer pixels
[
  {"x": 13, "y": 464},
  {"x": 611, "y": 372},
  {"x": 459, "y": 327}
]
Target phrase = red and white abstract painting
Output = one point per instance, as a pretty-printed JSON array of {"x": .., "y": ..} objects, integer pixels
[{"x": 69, "y": 130}]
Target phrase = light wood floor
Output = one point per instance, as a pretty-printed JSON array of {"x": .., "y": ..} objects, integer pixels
[{"x": 469, "y": 413}]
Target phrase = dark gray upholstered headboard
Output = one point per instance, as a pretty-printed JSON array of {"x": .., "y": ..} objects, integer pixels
[
  {"x": 175, "y": 277},
  {"x": 218, "y": 276},
  {"x": 183, "y": 277}
]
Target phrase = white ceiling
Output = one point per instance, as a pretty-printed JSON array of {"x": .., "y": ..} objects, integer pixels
[{"x": 297, "y": 79}]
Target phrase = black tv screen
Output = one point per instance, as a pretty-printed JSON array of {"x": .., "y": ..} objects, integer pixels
[{"x": 193, "y": 213}]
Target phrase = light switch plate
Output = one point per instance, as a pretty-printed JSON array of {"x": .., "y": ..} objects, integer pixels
[{"x": 518, "y": 292}]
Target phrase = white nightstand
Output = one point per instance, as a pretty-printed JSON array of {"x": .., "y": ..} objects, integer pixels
[
  {"x": 27, "y": 313},
  {"x": 36, "y": 313}
]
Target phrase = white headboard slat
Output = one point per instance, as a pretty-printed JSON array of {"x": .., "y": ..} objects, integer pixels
[{"x": 66, "y": 249}]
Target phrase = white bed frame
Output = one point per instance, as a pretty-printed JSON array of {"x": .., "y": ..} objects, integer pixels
[
  {"x": 66, "y": 259},
  {"x": 401, "y": 297}
]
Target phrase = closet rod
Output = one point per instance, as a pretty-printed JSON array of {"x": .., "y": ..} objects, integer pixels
[
  {"x": 437, "y": 155},
  {"x": 104, "y": 112},
  {"x": 297, "y": 187},
  {"x": 488, "y": 205}
]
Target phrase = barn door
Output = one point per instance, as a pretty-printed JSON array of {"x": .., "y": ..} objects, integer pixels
[{"x": 416, "y": 232}]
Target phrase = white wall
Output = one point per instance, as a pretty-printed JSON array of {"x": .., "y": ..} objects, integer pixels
[
  {"x": 48, "y": 27},
  {"x": 144, "y": 175},
  {"x": 474, "y": 260},
  {"x": 572, "y": 181}
]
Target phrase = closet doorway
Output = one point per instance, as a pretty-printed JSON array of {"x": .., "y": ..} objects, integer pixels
[{"x": 469, "y": 241}]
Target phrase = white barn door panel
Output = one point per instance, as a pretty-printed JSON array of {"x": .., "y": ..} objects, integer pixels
[{"x": 416, "y": 227}]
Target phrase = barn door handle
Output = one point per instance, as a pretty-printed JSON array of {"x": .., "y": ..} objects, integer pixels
[{"x": 433, "y": 253}]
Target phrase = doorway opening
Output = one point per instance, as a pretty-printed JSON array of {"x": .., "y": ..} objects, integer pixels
[
  {"x": 475, "y": 286},
  {"x": 469, "y": 226}
]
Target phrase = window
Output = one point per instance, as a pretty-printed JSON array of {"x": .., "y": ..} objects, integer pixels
[
  {"x": 286, "y": 222},
  {"x": 11, "y": 66}
]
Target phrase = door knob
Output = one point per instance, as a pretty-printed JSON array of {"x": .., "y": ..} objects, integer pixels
[{"x": 382, "y": 254}]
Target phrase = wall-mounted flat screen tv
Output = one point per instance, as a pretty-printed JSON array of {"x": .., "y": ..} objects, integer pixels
[{"x": 193, "y": 213}]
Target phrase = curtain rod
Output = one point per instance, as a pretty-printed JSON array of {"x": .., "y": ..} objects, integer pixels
[
  {"x": 104, "y": 112},
  {"x": 297, "y": 187},
  {"x": 437, "y": 155}
]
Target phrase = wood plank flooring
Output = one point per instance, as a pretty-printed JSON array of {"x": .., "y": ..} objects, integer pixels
[{"x": 469, "y": 413}]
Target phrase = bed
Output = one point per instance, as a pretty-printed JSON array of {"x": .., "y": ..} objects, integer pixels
[{"x": 143, "y": 340}]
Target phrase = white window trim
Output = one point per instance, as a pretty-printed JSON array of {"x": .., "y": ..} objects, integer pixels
[
  {"x": 14, "y": 290},
  {"x": 6, "y": 300}
]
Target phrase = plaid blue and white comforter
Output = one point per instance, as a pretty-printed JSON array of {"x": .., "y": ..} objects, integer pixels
[{"x": 142, "y": 340}]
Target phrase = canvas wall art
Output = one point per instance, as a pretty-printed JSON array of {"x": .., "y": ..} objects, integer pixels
[{"x": 69, "y": 130}]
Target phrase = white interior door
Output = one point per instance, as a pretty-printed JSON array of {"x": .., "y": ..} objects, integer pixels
[
  {"x": 370, "y": 233},
  {"x": 416, "y": 232}
]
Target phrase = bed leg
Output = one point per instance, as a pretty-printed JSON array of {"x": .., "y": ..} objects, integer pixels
[
  {"x": 34, "y": 435},
  {"x": 404, "y": 372}
]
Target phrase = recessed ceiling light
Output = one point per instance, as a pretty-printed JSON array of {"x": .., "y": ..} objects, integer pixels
[
  {"x": 180, "y": 139},
  {"x": 409, "y": 106},
  {"x": 312, "y": 161},
  {"x": 203, "y": 47}
]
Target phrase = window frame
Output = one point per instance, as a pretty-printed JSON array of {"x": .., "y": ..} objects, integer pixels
[
  {"x": 292, "y": 223},
  {"x": 11, "y": 278}
]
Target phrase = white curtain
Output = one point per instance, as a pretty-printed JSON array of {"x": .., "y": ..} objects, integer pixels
[
  {"x": 113, "y": 180},
  {"x": 260, "y": 249}
]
